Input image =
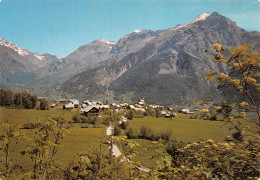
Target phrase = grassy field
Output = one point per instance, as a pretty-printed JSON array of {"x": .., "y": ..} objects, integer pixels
[
  {"x": 79, "y": 140},
  {"x": 186, "y": 130},
  {"x": 22, "y": 116},
  {"x": 76, "y": 140},
  {"x": 148, "y": 153}
]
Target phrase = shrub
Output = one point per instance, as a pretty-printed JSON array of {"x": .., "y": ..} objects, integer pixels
[
  {"x": 44, "y": 105},
  {"x": 149, "y": 112},
  {"x": 166, "y": 135},
  {"x": 132, "y": 133},
  {"x": 124, "y": 125},
  {"x": 130, "y": 114},
  {"x": 117, "y": 131},
  {"x": 76, "y": 118},
  {"x": 31, "y": 126},
  {"x": 145, "y": 132}
]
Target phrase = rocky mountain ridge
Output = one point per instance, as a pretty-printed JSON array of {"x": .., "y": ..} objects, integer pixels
[
  {"x": 164, "y": 66},
  {"x": 169, "y": 69}
]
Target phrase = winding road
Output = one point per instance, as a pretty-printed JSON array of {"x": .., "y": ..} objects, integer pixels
[{"x": 115, "y": 150}]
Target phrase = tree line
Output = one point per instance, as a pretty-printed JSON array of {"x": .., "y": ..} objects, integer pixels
[{"x": 22, "y": 100}]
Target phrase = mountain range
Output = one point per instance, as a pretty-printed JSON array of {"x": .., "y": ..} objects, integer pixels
[{"x": 163, "y": 67}]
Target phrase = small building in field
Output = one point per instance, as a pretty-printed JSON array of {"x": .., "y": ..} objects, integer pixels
[
  {"x": 83, "y": 105},
  {"x": 88, "y": 103},
  {"x": 186, "y": 111},
  {"x": 140, "y": 109},
  {"x": 130, "y": 107},
  {"x": 113, "y": 104},
  {"x": 163, "y": 113},
  {"x": 103, "y": 107},
  {"x": 75, "y": 102},
  {"x": 91, "y": 111},
  {"x": 141, "y": 101},
  {"x": 63, "y": 101},
  {"x": 99, "y": 103},
  {"x": 123, "y": 105},
  {"x": 68, "y": 106},
  {"x": 170, "y": 115},
  {"x": 54, "y": 106}
]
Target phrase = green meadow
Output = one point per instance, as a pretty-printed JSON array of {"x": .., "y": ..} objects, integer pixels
[
  {"x": 76, "y": 140},
  {"x": 186, "y": 130},
  {"x": 183, "y": 129},
  {"x": 23, "y": 116}
]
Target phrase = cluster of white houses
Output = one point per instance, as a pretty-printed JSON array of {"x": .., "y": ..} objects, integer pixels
[{"x": 94, "y": 107}]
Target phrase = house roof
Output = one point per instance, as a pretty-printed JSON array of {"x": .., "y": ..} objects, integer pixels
[
  {"x": 74, "y": 101},
  {"x": 99, "y": 102},
  {"x": 140, "y": 109},
  {"x": 88, "y": 108},
  {"x": 104, "y": 106},
  {"x": 83, "y": 105},
  {"x": 163, "y": 112},
  {"x": 131, "y": 106},
  {"x": 69, "y": 105},
  {"x": 88, "y": 102}
]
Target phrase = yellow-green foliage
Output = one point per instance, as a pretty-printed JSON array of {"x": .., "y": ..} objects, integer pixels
[
  {"x": 75, "y": 141},
  {"x": 149, "y": 152},
  {"x": 79, "y": 140},
  {"x": 22, "y": 116},
  {"x": 187, "y": 130}
]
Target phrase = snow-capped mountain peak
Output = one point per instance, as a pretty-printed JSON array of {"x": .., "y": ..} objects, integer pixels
[
  {"x": 136, "y": 31},
  {"x": 106, "y": 41},
  {"x": 16, "y": 48},
  {"x": 201, "y": 17},
  {"x": 131, "y": 33},
  {"x": 47, "y": 57}
]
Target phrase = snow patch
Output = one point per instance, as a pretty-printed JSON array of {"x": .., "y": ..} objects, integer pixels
[
  {"x": 136, "y": 31},
  {"x": 201, "y": 17},
  {"x": 107, "y": 42},
  {"x": 39, "y": 56},
  {"x": 16, "y": 48},
  {"x": 43, "y": 56}
]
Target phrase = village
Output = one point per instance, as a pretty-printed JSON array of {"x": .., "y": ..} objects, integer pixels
[{"x": 93, "y": 108}]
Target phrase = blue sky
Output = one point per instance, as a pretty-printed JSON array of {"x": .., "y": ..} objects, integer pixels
[{"x": 61, "y": 26}]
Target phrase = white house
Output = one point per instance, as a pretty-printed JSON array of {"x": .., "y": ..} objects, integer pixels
[
  {"x": 186, "y": 111},
  {"x": 75, "y": 102},
  {"x": 69, "y": 105}
]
